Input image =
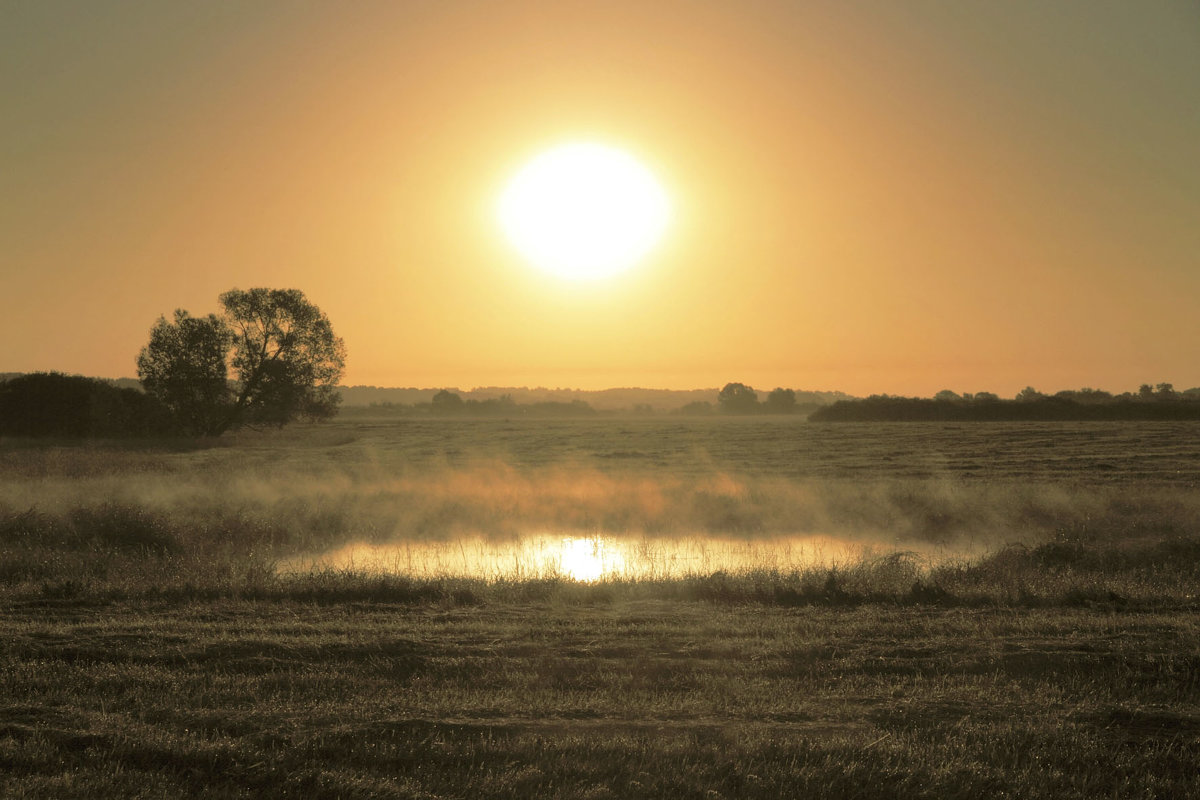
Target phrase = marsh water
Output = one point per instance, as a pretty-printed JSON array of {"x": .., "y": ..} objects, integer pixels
[
  {"x": 592, "y": 557},
  {"x": 621, "y": 497},
  {"x": 662, "y": 498}
]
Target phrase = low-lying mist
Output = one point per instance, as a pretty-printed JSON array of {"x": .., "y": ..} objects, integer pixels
[
  {"x": 308, "y": 516},
  {"x": 609, "y": 501}
]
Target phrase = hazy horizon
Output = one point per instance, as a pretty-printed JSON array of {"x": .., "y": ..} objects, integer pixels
[
  {"x": 492, "y": 389},
  {"x": 874, "y": 197}
]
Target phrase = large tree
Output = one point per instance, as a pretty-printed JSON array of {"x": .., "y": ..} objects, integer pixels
[
  {"x": 781, "y": 401},
  {"x": 185, "y": 367},
  {"x": 286, "y": 359},
  {"x": 738, "y": 398},
  {"x": 285, "y": 362}
]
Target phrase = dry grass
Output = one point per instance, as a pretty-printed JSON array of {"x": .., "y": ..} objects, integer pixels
[
  {"x": 607, "y": 699},
  {"x": 152, "y": 649}
]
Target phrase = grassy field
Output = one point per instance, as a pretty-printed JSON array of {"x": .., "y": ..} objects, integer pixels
[{"x": 1022, "y": 620}]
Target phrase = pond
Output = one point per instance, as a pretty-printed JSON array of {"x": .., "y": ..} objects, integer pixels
[{"x": 589, "y": 558}]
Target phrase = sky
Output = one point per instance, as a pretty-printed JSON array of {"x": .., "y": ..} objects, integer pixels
[{"x": 871, "y": 197}]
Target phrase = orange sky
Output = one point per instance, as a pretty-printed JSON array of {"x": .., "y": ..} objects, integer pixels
[{"x": 869, "y": 196}]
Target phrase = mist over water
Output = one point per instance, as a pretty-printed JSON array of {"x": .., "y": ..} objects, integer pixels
[
  {"x": 585, "y": 557},
  {"x": 617, "y": 499}
]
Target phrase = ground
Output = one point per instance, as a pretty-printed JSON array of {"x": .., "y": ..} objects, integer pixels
[
  {"x": 602, "y": 697},
  {"x": 152, "y": 645}
]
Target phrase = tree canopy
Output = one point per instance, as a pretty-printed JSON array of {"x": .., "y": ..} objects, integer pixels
[
  {"x": 780, "y": 401},
  {"x": 270, "y": 358},
  {"x": 737, "y": 398},
  {"x": 184, "y": 367}
]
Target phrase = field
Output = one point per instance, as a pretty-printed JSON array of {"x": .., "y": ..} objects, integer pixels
[{"x": 611, "y": 607}]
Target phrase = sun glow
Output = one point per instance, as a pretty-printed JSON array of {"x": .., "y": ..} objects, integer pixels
[
  {"x": 584, "y": 211},
  {"x": 588, "y": 559}
]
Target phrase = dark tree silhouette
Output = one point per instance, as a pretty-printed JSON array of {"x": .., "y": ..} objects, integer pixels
[
  {"x": 780, "y": 401},
  {"x": 184, "y": 368},
  {"x": 285, "y": 359},
  {"x": 71, "y": 406},
  {"x": 446, "y": 402},
  {"x": 1085, "y": 404},
  {"x": 737, "y": 398}
]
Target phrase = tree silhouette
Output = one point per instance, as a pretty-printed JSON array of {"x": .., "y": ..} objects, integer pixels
[
  {"x": 184, "y": 368},
  {"x": 71, "y": 406},
  {"x": 737, "y": 398},
  {"x": 285, "y": 359},
  {"x": 780, "y": 401},
  {"x": 446, "y": 402}
]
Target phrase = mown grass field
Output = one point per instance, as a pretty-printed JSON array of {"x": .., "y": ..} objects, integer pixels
[{"x": 152, "y": 648}]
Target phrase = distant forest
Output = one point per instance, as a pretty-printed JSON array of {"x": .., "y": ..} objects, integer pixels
[
  {"x": 53, "y": 405},
  {"x": 71, "y": 406},
  {"x": 485, "y": 399},
  {"x": 1159, "y": 402}
]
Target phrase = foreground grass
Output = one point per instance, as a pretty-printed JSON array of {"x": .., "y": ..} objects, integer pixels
[
  {"x": 618, "y": 698},
  {"x": 150, "y": 648}
]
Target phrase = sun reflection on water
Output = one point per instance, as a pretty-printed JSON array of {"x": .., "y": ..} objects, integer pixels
[{"x": 587, "y": 558}]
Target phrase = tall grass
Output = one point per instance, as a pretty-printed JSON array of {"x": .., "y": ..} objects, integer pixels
[
  {"x": 221, "y": 520},
  {"x": 119, "y": 550}
]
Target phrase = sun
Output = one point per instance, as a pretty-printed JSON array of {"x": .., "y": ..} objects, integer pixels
[{"x": 583, "y": 211}]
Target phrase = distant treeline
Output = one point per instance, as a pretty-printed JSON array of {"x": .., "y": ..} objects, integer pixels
[
  {"x": 600, "y": 400},
  {"x": 446, "y": 403},
  {"x": 49, "y": 404},
  {"x": 54, "y": 405},
  {"x": 626, "y": 399},
  {"x": 1148, "y": 403},
  {"x": 738, "y": 398},
  {"x": 735, "y": 398},
  {"x": 76, "y": 407},
  {"x": 71, "y": 406}
]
